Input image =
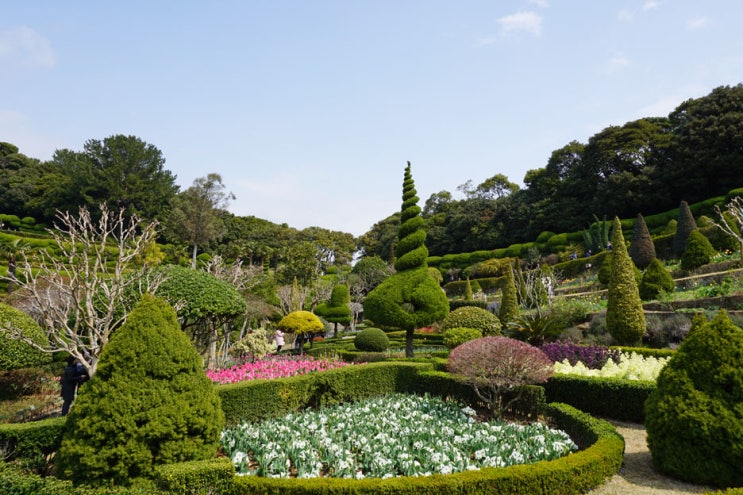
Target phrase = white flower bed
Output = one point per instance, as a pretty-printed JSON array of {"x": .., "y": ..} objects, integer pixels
[
  {"x": 399, "y": 435},
  {"x": 631, "y": 367}
]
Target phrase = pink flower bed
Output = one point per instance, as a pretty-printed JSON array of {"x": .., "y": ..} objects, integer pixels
[{"x": 275, "y": 367}]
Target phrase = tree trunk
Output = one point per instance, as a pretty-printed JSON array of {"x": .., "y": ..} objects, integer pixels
[
  {"x": 193, "y": 256},
  {"x": 213, "y": 334},
  {"x": 335, "y": 330},
  {"x": 409, "y": 342}
]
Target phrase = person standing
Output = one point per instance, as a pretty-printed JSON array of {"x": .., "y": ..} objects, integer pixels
[
  {"x": 279, "y": 339},
  {"x": 74, "y": 374}
]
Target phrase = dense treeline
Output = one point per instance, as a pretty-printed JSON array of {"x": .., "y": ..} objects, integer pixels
[{"x": 645, "y": 166}]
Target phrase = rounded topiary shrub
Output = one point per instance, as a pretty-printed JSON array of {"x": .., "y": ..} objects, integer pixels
[
  {"x": 698, "y": 252},
  {"x": 694, "y": 418},
  {"x": 655, "y": 280},
  {"x": 148, "y": 403},
  {"x": 473, "y": 317},
  {"x": 16, "y": 354},
  {"x": 456, "y": 336},
  {"x": 371, "y": 340}
]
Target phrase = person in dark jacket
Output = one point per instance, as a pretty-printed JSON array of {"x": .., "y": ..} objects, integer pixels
[{"x": 74, "y": 374}]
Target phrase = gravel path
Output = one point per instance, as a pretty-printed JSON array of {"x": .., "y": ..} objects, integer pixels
[{"x": 637, "y": 475}]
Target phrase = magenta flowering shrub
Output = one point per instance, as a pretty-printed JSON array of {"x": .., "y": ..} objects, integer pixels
[
  {"x": 592, "y": 356},
  {"x": 497, "y": 367},
  {"x": 274, "y": 367}
]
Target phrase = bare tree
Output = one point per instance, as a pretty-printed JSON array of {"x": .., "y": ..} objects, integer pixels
[
  {"x": 83, "y": 292},
  {"x": 734, "y": 226}
]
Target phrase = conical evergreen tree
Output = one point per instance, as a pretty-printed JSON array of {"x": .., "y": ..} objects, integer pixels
[
  {"x": 641, "y": 248},
  {"x": 509, "y": 303},
  {"x": 684, "y": 226},
  {"x": 468, "y": 295},
  {"x": 410, "y": 298},
  {"x": 149, "y": 403},
  {"x": 625, "y": 319},
  {"x": 698, "y": 252},
  {"x": 655, "y": 279}
]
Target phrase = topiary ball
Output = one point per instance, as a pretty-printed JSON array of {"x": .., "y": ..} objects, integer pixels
[
  {"x": 694, "y": 417},
  {"x": 473, "y": 317},
  {"x": 371, "y": 340},
  {"x": 457, "y": 336}
]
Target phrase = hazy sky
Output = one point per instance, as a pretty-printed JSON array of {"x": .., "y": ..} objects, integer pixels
[{"x": 310, "y": 109}]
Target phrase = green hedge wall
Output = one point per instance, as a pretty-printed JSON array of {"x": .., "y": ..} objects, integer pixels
[{"x": 607, "y": 397}]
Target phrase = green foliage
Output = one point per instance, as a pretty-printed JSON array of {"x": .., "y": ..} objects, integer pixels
[
  {"x": 254, "y": 345},
  {"x": 655, "y": 280},
  {"x": 696, "y": 408},
  {"x": 371, "y": 340},
  {"x": 458, "y": 335},
  {"x": 533, "y": 328},
  {"x": 149, "y": 403},
  {"x": 625, "y": 320},
  {"x": 604, "y": 273},
  {"x": 596, "y": 237},
  {"x": 684, "y": 226},
  {"x": 14, "y": 353},
  {"x": 698, "y": 252},
  {"x": 301, "y": 323},
  {"x": 473, "y": 317},
  {"x": 641, "y": 249},
  {"x": 468, "y": 295},
  {"x": 509, "y": 303}
]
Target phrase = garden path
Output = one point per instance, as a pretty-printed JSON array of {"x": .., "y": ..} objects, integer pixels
[{"x": 637, "y": 475}]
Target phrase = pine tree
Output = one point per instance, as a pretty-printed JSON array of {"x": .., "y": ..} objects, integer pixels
[
  {"x": 684, "y": 226},
  {"x": 509, "y": 303},
  {"x": 149, "y": 403},
  {"x": 698, "y": 252},
  {"x": 641, "y": 248},
  {"x": 468, "y": 295},
  {"x": 410, "y": 298},
  {"x": 655, "y": 280},
  {"x": 625, "y": 319}
]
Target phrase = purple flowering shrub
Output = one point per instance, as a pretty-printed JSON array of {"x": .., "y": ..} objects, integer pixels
[
  {"x": 592, "y": 356},
  {"x": 497, "y": 367}
]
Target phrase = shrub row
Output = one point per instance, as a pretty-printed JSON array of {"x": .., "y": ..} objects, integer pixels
[{"x": 614, "y": 398}]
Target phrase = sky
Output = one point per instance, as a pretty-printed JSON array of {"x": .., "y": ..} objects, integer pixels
[{"x": 310, "y": 109}]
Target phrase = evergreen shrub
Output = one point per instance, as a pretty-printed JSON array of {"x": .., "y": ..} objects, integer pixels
[
  {"x": 149, "y": 403},
  {"x": 655, "y": 280},
  {"x": 15, "y": 354},
  {"x": 456, "y": 336},
  {"x": 473, "y": 317},
  {"x": 694, "y": 419},
  {"x": 684, "y": 226},
  {"x": 641, "y": 249},
  {"x": 698, "y": 252},
  {"x": 371, "y": 340}
]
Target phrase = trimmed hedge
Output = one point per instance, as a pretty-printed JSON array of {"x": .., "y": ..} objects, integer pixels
[
  {"x": 30, "y": 444},
  {"x": 614, "y": 398}
]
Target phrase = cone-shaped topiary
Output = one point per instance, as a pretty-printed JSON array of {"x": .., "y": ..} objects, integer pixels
[
  {"x": 509, "y": 302},
  {"x": 371, "y": 340},
  {"x": 411, "y": 298},
  {"x": 684, "y": 226},
  {"x": 641, "y": 248},
  {"x": 15, "y": 353},
  {"x": 625, "y": 320},
  {"x": 149, "y": 403},
  {"x": 698, "y": 252},
  {"x": 694, "y": 417},
  {"x": 473, "y": 317},
  {"x": 468, "y": 295},
  {"x": 655, "y": 280},
  {"x": 337, "y": 309}
]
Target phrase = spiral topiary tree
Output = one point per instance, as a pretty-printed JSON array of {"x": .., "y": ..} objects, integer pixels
[
  {"x": 336, "y": 310},
  {"x": 641, "y": 248},
  {"x": 684, "y": 226},
  {"x": 694, "y": 418},
  {"x": 625, "y": 319},
  {"x": 410, "y": 298},
  {"x": 149, "y": 403}
]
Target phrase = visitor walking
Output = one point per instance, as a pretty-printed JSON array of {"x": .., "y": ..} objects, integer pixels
[
  {"x": 279, "y": 339},
  {"x": 74, "y": 374}
]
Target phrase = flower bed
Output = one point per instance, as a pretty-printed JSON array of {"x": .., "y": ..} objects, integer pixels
[
  {"x": 630, "y": 367},
  {"x": 274, "y": 367},
  {"x": 398, "y": 435}
]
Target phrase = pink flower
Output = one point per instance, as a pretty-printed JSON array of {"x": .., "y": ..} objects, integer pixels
[{"x": 273, "y": 367}]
